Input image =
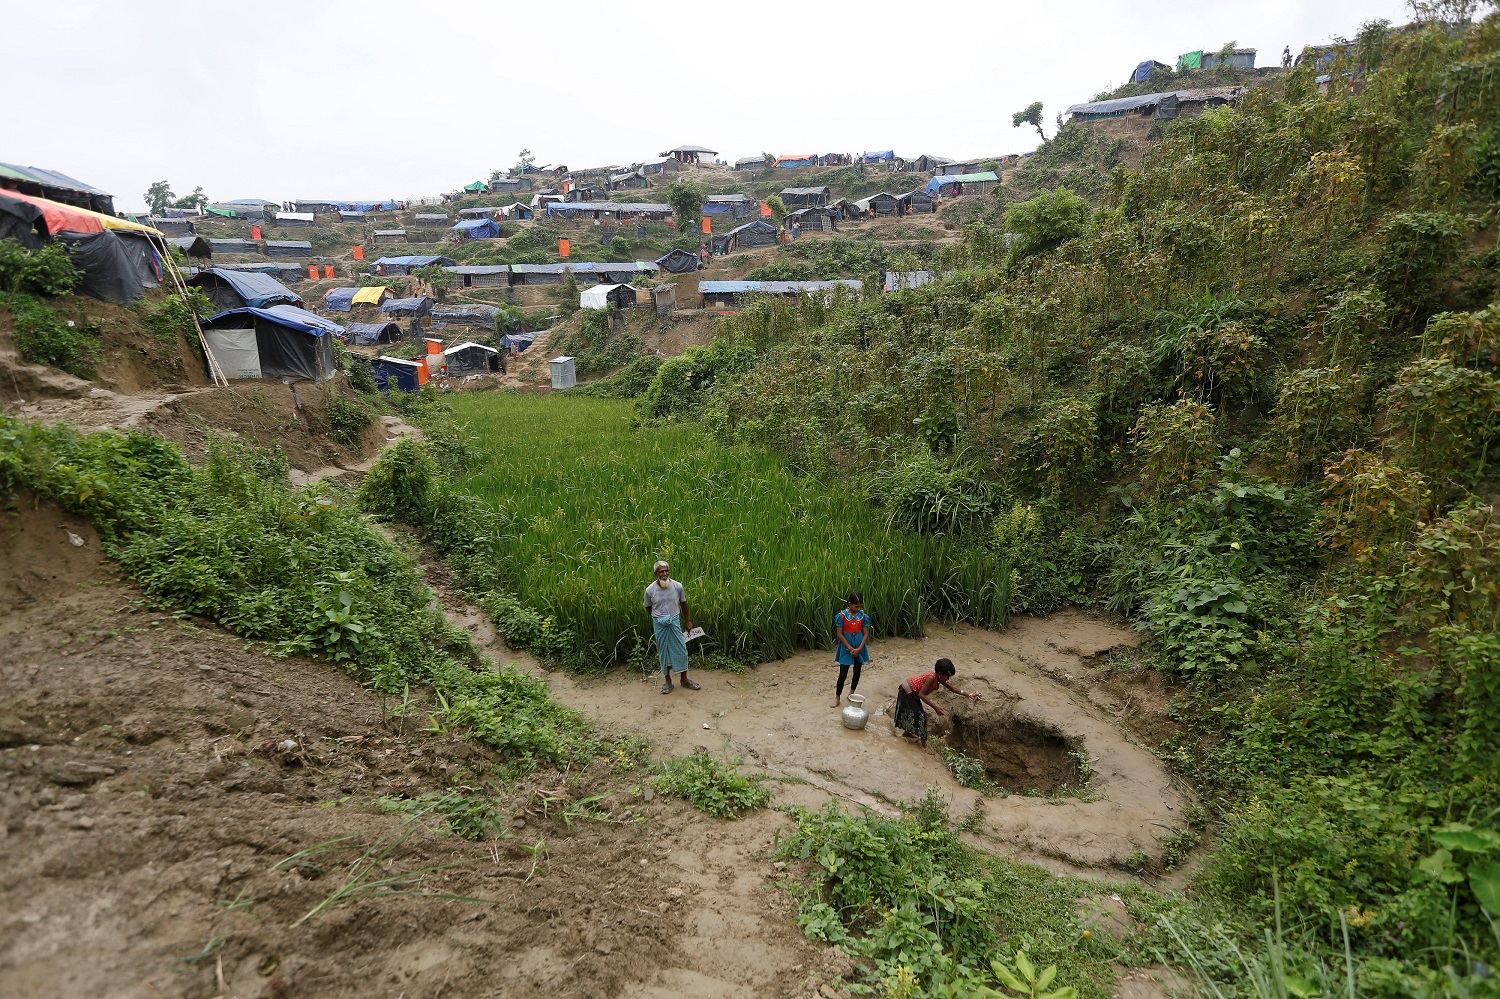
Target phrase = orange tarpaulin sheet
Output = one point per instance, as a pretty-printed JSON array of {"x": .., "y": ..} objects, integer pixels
[
  {"x": 312, "y": 272},
  {"x": 563, "y": 247},
  {"x": 255, "y": 232},
  {"x": 66, "y": 218},
  {"x": 327, "y": 272},
  {"x": 765, "y": 210},
  {"x": 708, "y": 225},
  {"x": 434, "y": 346},
  {"x": 358, "y": 252}
]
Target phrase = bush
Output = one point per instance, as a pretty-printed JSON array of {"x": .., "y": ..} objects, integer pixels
[
  {"x": 1045, "y": 221},
  {"x": 711, "y": 785},
  {"x": 1173, "y": 444},
  {"x": 43, "y": 338},
  {"x": 347, "y": 420},
  {"x": 682, "y": 383},
  {"x": 48, "y": 271},
  {"x": 928, "y": 495}
]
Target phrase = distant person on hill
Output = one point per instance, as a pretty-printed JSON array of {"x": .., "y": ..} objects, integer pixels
[
  {"x": 667, "y": 603},
  {"x": 910, "y": 716},
  {"x": 851, "y": 643},
  {"x": 1286, "y": 57}
]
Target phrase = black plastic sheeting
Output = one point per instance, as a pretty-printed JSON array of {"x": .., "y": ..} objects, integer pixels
[
  {"x": 115, "y": 269},
  {"x": 23, "y": 222},
  {"x": 371, "y": 334}
]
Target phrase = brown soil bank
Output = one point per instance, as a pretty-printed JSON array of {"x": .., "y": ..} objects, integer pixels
[{"x": 156, "y": 775}]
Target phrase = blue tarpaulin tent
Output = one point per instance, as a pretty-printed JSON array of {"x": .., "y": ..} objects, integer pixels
[
  {"x": 394, "y": 373},
  {"x": 243, "y": 289},
  {"x": 884, "y": 154},
  {"x": 517, "y": 341},
  {"x": 371, "y": 334},
  {"x": 405, "y": 265},
  {"x": 478, "y": 229},
  {"x": 339, "y": 299},
  {"x": 277, "y": 341},
  {"x": 1144, "y": 71}
]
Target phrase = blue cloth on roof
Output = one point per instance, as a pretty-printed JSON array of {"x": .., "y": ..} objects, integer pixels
[
  {"x": 289, "y": 316},
  {"x": 257, "y": 289}
]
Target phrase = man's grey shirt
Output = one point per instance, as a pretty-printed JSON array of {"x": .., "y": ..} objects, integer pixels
[{"x": 663, "y": 601}]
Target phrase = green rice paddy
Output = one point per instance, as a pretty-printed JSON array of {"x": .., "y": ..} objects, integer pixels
[{"x": 766, "y": 557}]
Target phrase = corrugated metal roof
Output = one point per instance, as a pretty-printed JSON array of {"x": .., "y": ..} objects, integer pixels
[
  {"x": 299, "y": 244},
  {"x": 690, "y": 149},
  {"x": 728, "y": 199},
  {"x": 480, "y": 269},
  {"x": 1118, "y": 104},
  {"x": 805, "y": 190},
  {"x": 773, "y": 287}
]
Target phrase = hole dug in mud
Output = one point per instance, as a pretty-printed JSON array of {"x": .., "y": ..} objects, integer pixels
[{"x": 1019, "y": 755}]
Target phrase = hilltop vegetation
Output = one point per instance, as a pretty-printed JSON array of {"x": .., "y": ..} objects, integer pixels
[{"x": 1247, "y": 396}]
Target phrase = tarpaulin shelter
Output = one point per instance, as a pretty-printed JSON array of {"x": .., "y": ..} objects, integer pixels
[
  {"x": 805, "y": 197},
  {"x": 340, "y": 205},
  {"x": 792, "y": 162},
  {"x": 54, "y": 186},
  {"x": 371, "y": 334},
  {"x": 689, "y": 153},
  {"x": 418, "y": 307},
  {"x": 192, "y": 246},
  {"x": 294, "y": 219},
  {"x": 429, "y": 220},
  {"x": 476, "y": 187},
  {"x": 339, "y": 299},
  {"x": 897, "y": 280},
  {"x": 678, "y": 261},
  {"x": 753, "y": 164},
  {"x": 517, "y": 211},
  {"x": 738, "y": 205},
  {"x": 754, "y": 233},
  {"x": 386, "y": 266},
  {"x": 230, "y": 289},
  {"x": 510, "y": 184},
  {"x": 481, "y": 275},
  {"x": 288, "y": 248},
  {"x": 473, "y": 315},
  {"x": 815, "y": 219},
  {"x": 879, "y": 157},
  {"x": 734, "y": 292},
  {"x": 280, "y": 341},
  {"x": 398, "y": 373},
  {"x": 171, "y": 226},
  {"x": 602, "y": 296},
  {"x": 1145, "y": 70},
  {"x": 470, "y": 359},
  {"x": 917, "y": 202},
  {"x": 388, "y": 236},
  {"x": 351, "y": 216},
  {"x": 481, "y": 212},
  {"x": 23, "y": 222},
  {"x": 882, "y": 205},
  {"x": 116, "y": 267},
  {"x": 517, "y": 342},
  {"x": 72, "y": 218},
  {"x": 233, "y": 245},
  {"x": 949, "y": 184},
  {"x": 477, "y": 229}
]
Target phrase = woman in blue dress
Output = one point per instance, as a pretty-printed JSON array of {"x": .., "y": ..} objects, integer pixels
[{"x": 851, "y": 643}]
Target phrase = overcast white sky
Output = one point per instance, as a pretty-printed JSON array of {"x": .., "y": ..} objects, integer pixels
[{"x": 378, "y": 99}]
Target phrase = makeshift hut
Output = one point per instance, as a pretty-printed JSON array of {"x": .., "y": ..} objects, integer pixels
[
  {"x": 481, "y": 212},
  {"x": 481, "y": 276},
  {"x": 23, "y": 222},
  {"x": 537, "y": 273},
  {"x": 882, "y": 205},
  {"x": 476, "y": 187},
  {"x": 738, "y": 205},
  {"x": 957, "y": 185},
  {"x": 345, "y": 299},
  {"x": 926, "y": 163},
  {"x": 793, "y": 162},
  {"x": 689, "y": 153},
  {"x": 751, "y": 164},
  {"x": 192, "y": 246},
  {"x": 883, "y": 156},
  {"x": 516, "y": 211},
  {"x": 917, "y": 202},
  {"x": 805, "y": 197},
  {"x": 390, "y": 266},
  {"x": 849, "y": 209},
  {"x": 602, "y": 296},
  {"x": 477, "y": 229},
  {"x": 1141, "y": 104},
  {"x": 897, "y": 280},
  {"x": 230, "y": 289},
  {"x": 753, "y": 233},
  {"x": 278, "y": 341},
  {"x": 679, "y": 261},
  {"x": 398, "y": 374},
  {"x": 631, "y": 180},
  {"x": 664, "y": 298},
  {"x": 1192, "y": 103},
  {"x": 233, "y": 245},
  {"x": 618, "y": 273},
  {"x": 731, "y": 293},
  {"x": 511, "y": 184},
  {"x": 585, "y": 192},
  {"x": 371, "y": 334},
  {"x": 408, "y": 307},
  {"x": 821, "y": 219},
  {"x": 53, "y": 186},
  {"x": 388, "y": 236},
  {"x": 171, "y": 226},
  {"x": 294, "y": 220},
  {"x": 470, "y": 359},
  {"x": 472, "y": 315},
  {"x": 310, "y": 205},
  {"x": 351, "y": 216},
  {"x": 288, "y": 248},
  {"x": 516, "y": 341},
  {"x": 1144, "y": 71},
  {"x": 430, "y": 221}
]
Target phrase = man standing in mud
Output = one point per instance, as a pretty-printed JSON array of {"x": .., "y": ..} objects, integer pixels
[{"x": 667, "y": 604}]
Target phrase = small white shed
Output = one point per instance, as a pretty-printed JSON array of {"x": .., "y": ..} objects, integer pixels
[{"x": 563, "y": 375}]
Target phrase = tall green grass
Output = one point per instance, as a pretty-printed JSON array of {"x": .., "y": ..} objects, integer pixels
[{"x": 766, "y": 557}]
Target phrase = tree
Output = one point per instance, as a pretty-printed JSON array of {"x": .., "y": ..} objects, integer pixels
[
  {"x": 496, "y": 174},
  {"x": 686, "y": 199},
  {"x": 1047, "y": 220},
  {"x": 159, "y": 197},
  {"x": 524, "y": 159},
  {"x": 1031, "y": 116},
  {"x": 192, "y": 202},
  {"x": 778, "y": 207}
]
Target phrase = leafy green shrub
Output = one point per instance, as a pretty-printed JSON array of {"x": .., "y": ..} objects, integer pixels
[
  {"x": 1317, "y": 412},
  {"x": 43, "y": 338},
  {"x": 471, "y": 816},
  {"x": 929, "y": 495},
  {"x": 1173, "y": 444},
  {"x": 1418, "y": 249},
  {"x": 174, "y": 317},
  {"x": 1059, "y": 450},
  {"x": 683, "y": 382},
  {"x": 1045, "y": 221},
  {"x": 347, "y": 420},
  {"x": 784, "y": 270},
  {"x": 711, "y": 785},
  {"x": 47, "y": 271},
  {"x": 627, "y": 383}
]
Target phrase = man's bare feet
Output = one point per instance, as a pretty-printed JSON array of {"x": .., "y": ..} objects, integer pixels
[{"x": 836, "y": 702}]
